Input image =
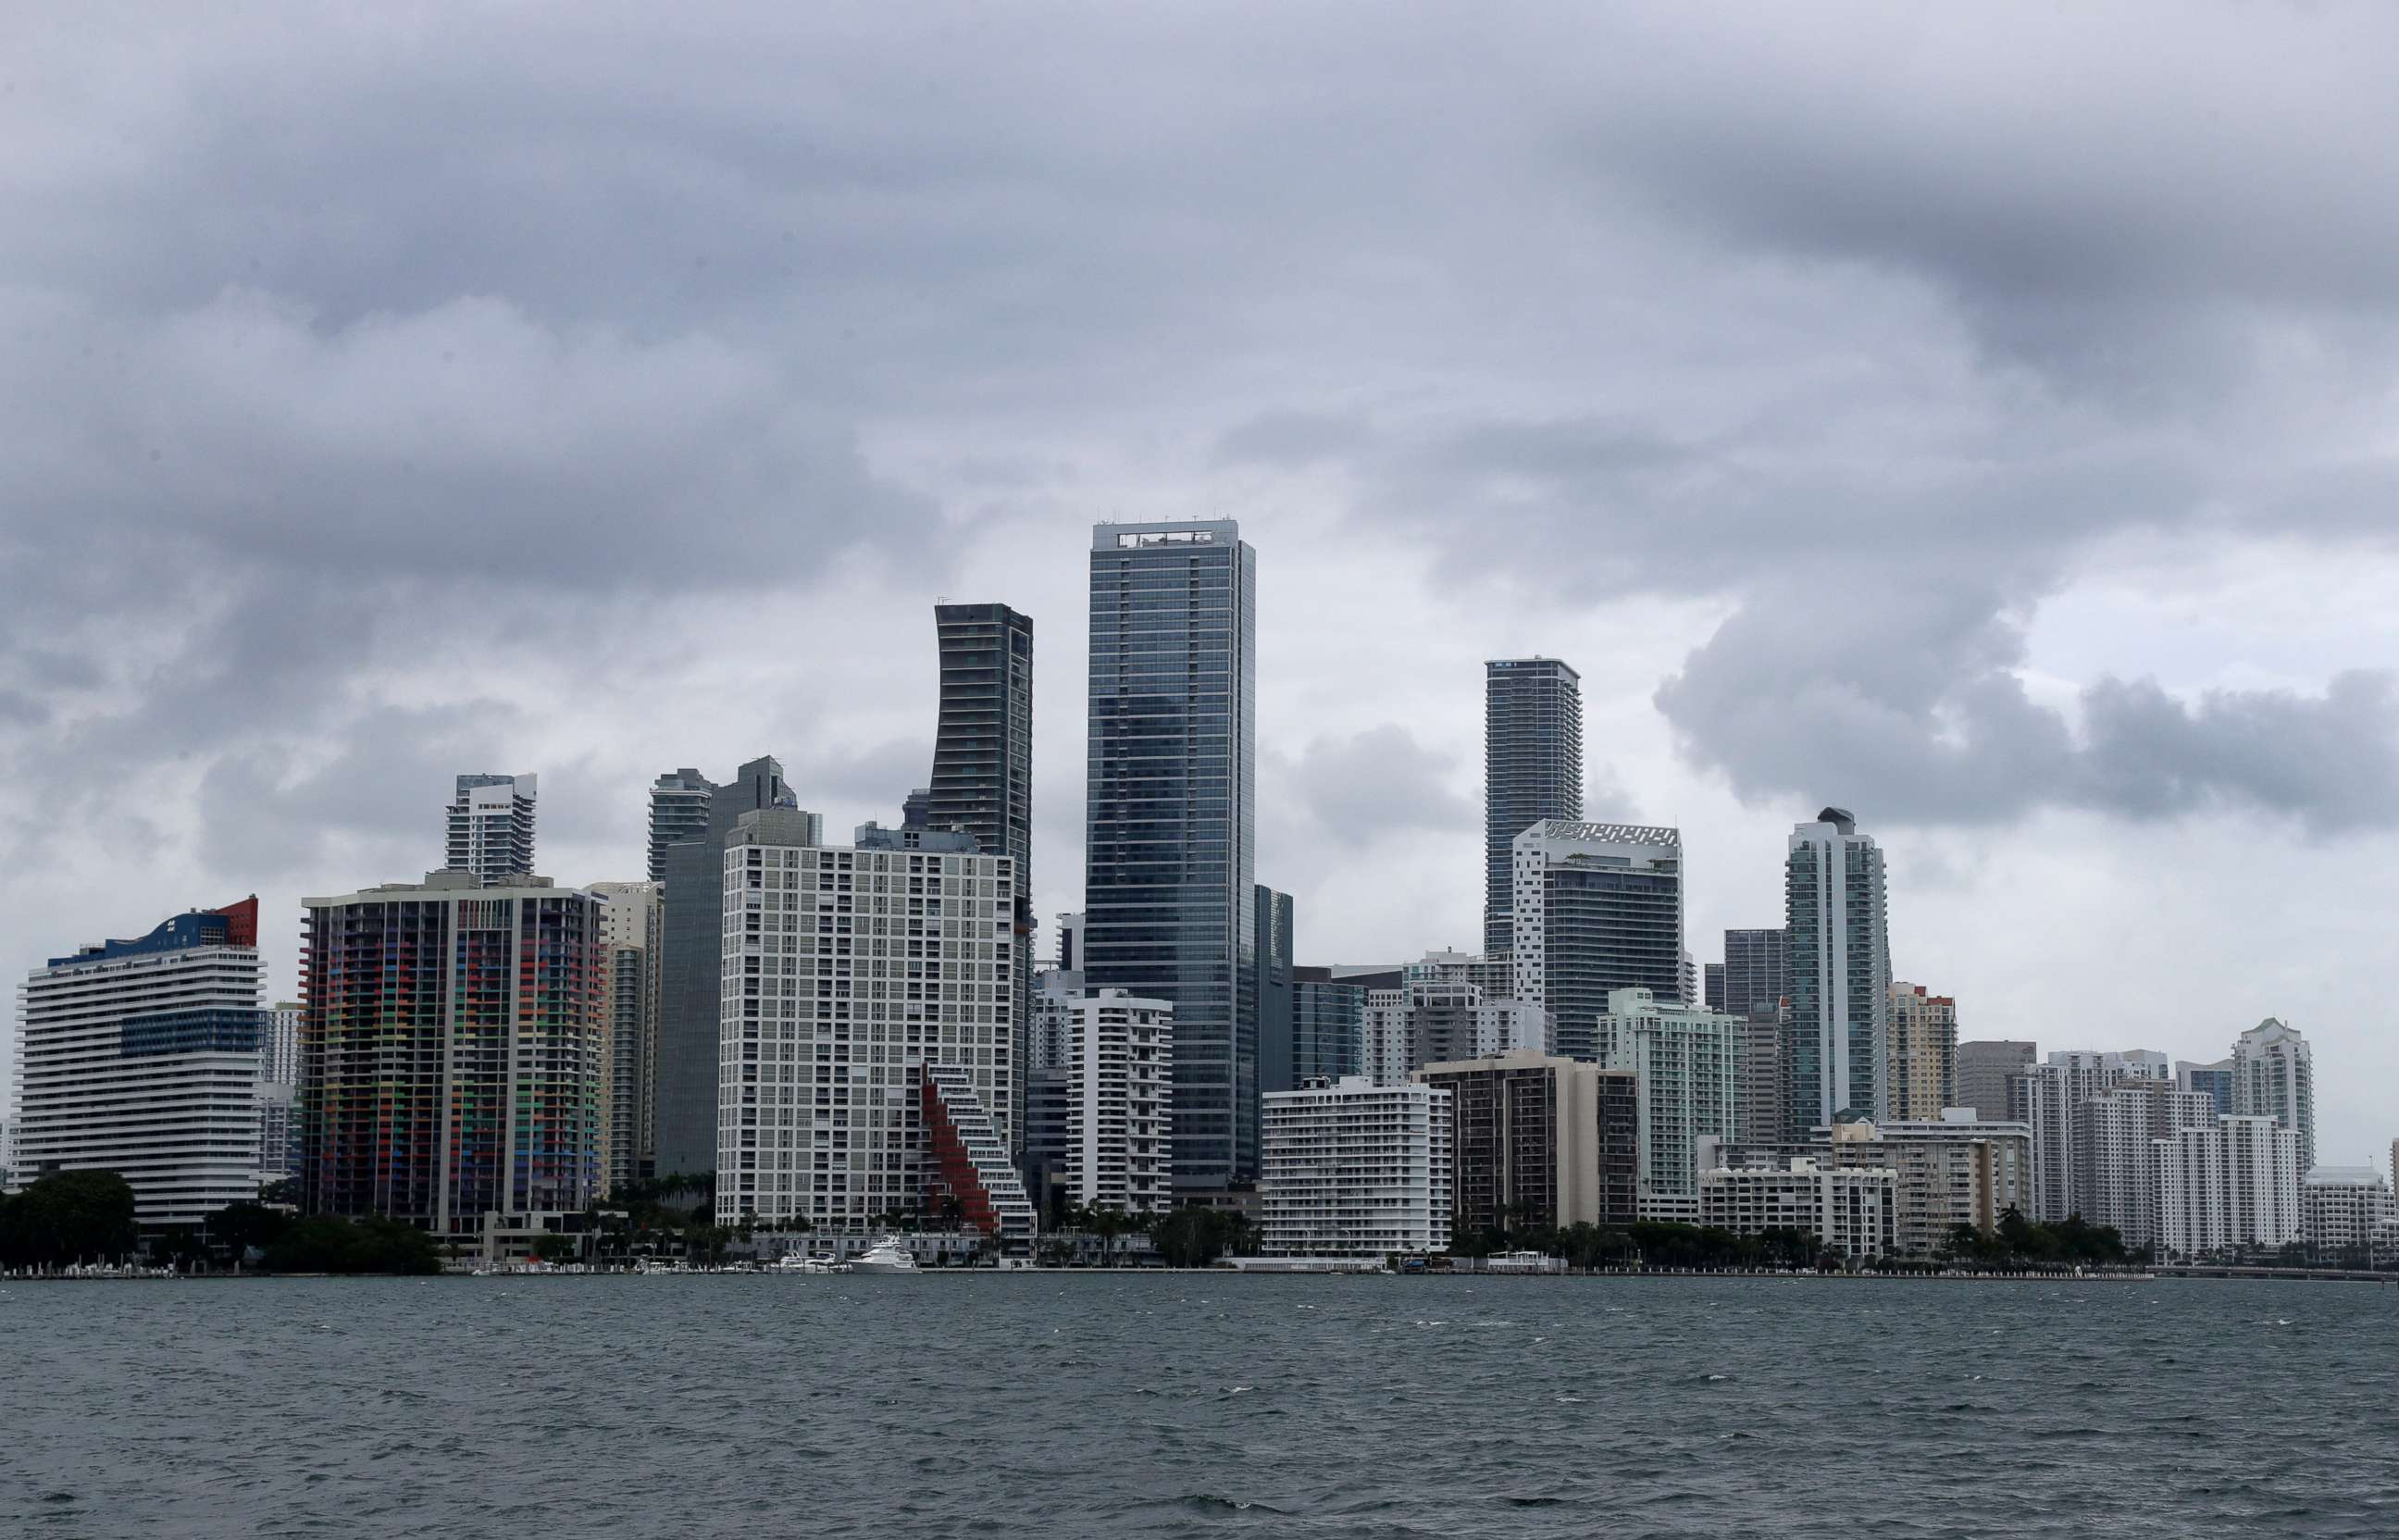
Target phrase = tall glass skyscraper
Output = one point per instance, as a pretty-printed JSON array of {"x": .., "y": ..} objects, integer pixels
[
  {"x": 1169, "y": 843},
  {"x": 1757, "y": 970},
  {"x": 1532, "y": 770},
  {"x": 982, "y": 774},
  {"x": 1598, "y": 907},
  {"x": 1836, "y": 1055}
]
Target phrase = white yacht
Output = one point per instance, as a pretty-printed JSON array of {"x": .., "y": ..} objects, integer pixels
[
  {"x": 889, "y": 1255},
  {"x": 791, "y": 1262}
]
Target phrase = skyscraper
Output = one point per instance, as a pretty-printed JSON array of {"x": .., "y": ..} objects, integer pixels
[
  {"x": 1711, "y": 985},
  {"x": 1598, "y": 907},
  {"x": 1836, "y": 1057},
  {"x": 678, "y": 812},
  {"x": 1328, "y": 1032},
  {"x": 1532, "y": 771},
  {"x": 1757, "y": 969},
  {"x": 1984, "y": 1069},
  {"x": 450, "y": 1051},
  {"x": 1686, "y": 1061},
  {"x": 143, "y": 1058},
  {"x": 1271, "y": 922},
  {"x": 2273, "y": 1075},
  {"x": 982, "y": 767},
  {"x": 1922, "y": 1048},
  {"x": 630, "y": 927},
  {"x": 1169, "y": 843},
  {"x": 489, "y": 825},
  {"x": 690, "y": 978},
  {"x": 1539, "y": 1142}
]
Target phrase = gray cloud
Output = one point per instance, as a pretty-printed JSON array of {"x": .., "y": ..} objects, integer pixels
[{"x": 1372, "y": 784}]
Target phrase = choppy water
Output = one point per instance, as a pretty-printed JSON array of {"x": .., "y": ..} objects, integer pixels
[{"x": 1182, "y": 1405}]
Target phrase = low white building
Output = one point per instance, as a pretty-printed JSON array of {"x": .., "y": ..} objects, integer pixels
[
  {"x": 2230, "y": 1187},
  {"x": 2344, "y": 1209},
  {"x": 1847, "y": 1209},
  {"x": 1350, "y": 1168}
]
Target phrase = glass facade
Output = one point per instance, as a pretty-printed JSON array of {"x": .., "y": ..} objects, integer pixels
[
  {"x": 1169, "y": 843},
  {"x": 1328, "y": 1026},
  {"x": 1608, "y": 926},
  {"x": 1835, "y": 1054},
  {"x": 1532, "y": 769}
]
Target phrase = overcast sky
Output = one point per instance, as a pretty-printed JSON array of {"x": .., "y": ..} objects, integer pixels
[{"x": 1982, "y": 421}]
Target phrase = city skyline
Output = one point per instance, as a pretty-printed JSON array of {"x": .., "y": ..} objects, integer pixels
[{"x": 2121, "y": 533}]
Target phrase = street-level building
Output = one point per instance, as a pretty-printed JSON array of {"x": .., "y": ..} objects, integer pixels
[
  {"x": 2346, "y": 1214},
  {"x": 1847, "y": 1209},
  {"x": 143, "y": 1058},
  {"x": 1351, "y": 1169},
  {"x": 1956, "y": 1169}
]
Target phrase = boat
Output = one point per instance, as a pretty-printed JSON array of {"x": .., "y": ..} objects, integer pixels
[
  {"x": 791, "y": 1262},
  {"x": 887, "y": 1255}
]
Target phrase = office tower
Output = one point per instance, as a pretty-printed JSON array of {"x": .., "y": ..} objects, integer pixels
[
  {"x": 1984, "y": 1069},
  {"x": 1757, "y": 1092},
  {"x": 141, "y": 1057},
  {"x": 1271, "y": 988},
  {"x": 1922, "y": 1047},
  {"x": 2273, "y": 1075},
  {"x": 1106, "y": 1136},
  {"x": 1539, "y": 1142},
  {"x": 1355, "y": 1169},
  {"x": 2047, "y": 1098},
  {"x": 683, "y": 1076},
  {"x": 2215, "y": 1079},
  {"x": 1599, "y": 908},
  {"x": 2114, "y": 1167},
  {"x": 630, "y": 927},
  {"x": 450, "y": 1051},
  {"x": 1070, "y": 941},
  {"x": 1848, "y": 1210},
  {"x": 1532, "y": 772},
  {"x": 1757, "y": 969},
  {"x": 982, "y": 764},
  {"x": 2346, "y": 1215},
  {"x": 1712, "y": 986},
  {"x": 1684, "y": 1059},
  {"x": 678, "y": 812},
  {"x": 1834, "y": 1054},
  {"x": 866, "y": 1027},
  {"x": 2231, "y": 1187},
  {"x": 279, "y": 1089},
  {"x": 1328, "y": 1027},
  {"x": 1170, "y": 840},
  {"x": 491, "y": 825}
]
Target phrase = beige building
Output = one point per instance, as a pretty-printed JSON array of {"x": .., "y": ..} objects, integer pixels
[
  {"x": 1847, "y": 1209},
  {"x": 1945, "y": 1172},
  {"x": 1923, "y": 1048}
]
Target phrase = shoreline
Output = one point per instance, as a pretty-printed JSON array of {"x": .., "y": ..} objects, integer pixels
[{"x": 2234, "y": 1275}]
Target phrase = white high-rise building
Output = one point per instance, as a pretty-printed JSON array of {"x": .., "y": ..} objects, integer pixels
[
  {"x": 279, "y": 1089},
  {"x": 2346, "y": 1214},
  {"x": 490, "y": 825},
  {"x": 1685, "y": 1063},
  {"x": 2047, "y": 1098},
  {"x": 1112, "y": 1147},
  {"x": 143, "y": 1058},
  {"x": 1355, "y": 1169},
  {"x": 2115, "y": 1170},
  {"x": 1448, "y": 1007},
  {"x": 865, "y": 1028},
  {"x": 2273, "y": 1075},
  {"x": 2233, "y": 1186}
]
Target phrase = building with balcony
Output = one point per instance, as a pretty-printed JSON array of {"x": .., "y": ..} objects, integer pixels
[{"x": 1351, "y": 1169}]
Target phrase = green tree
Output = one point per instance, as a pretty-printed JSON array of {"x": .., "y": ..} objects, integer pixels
[
  {"x": 71, "y": 1217},
  {"x": 1193, "y": 1236},
  {"x": 553, "y": 1248},
  {"x": 241, "y": 1227},
  {"x": 372, "y": 1245}
]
